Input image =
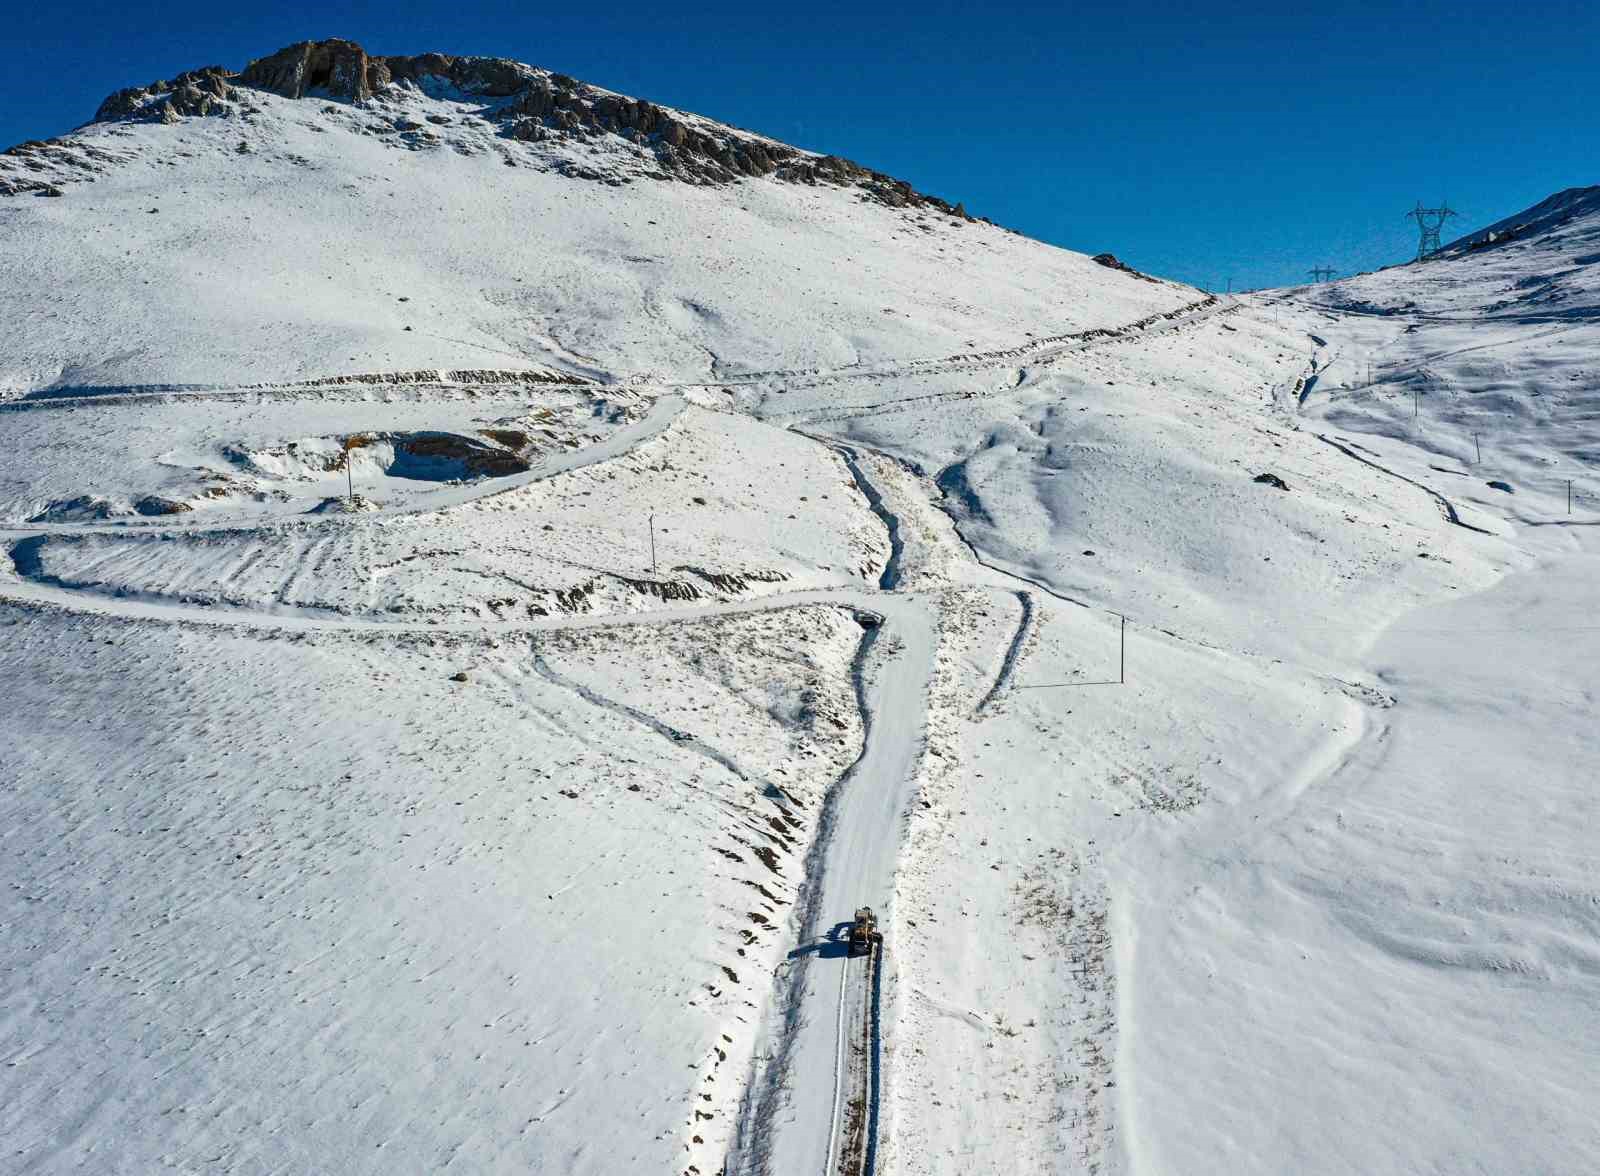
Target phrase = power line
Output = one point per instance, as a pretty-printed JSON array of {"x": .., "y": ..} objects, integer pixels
[{"x": 1429, "y": 221}]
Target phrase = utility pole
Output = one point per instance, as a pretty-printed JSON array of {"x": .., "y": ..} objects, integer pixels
[
  {"x": 652, "y": 545},
  {"x": 1479, "y": 449},
  {"x": 1322, "y": 273},
  {"x": 349, "y": 478}
]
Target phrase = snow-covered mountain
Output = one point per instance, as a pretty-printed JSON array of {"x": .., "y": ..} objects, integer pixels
[
  {"x": 499, "y": 571},
  {"x": 478, "y": 213}
]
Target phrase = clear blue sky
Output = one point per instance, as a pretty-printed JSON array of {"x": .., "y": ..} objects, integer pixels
[{"x": 1198, "y": 141}]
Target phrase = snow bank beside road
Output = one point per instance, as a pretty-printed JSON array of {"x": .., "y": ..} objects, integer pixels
[{"x": 448, "y": 922}]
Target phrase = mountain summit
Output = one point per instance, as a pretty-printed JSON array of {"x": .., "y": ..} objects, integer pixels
[
  {"x": 324, "y": 212},
  {"x": 516, "y": 102}
]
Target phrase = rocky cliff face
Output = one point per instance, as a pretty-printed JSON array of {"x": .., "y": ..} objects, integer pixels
[{"x": 523, "y": 102}]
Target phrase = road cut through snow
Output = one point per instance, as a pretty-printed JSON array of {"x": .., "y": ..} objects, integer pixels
[
  {"x": 791, "y": 1115},
  {"x": 788, "y": 1123}
]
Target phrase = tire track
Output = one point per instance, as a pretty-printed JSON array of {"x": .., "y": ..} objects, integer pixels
[
  {"x": 1443, "y": 503},
  {"x": 853, "y": 1144},
  {"x": 1043, "y": 353},
  {"x": 681, "y": 737},
  {"x": 1013, "y": 653}
]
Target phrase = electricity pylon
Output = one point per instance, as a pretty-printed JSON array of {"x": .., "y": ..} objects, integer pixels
[
  {"x": 1322, "y": 273},
  {"x": 1429, "y": 221}
]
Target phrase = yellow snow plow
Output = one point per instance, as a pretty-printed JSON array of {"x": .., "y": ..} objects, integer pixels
[{"x": 864, "y": 933}]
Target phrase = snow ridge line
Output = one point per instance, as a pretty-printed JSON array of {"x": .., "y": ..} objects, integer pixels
[
  {"x": 980, "y": 358},
  {"x": 767, "y": 1086},
  {"x": 1186, "y": 316},
  {"x": 1444, "y": 503},
  {"x": 1013, "y": 653},
  {"x": 148, "y": 393}
]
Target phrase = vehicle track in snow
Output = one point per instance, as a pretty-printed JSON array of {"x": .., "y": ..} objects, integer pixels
[
  {"x": 1035, "y": 350},
  {"x": 853, "y": 1141},
  {"x": 1177, "y": 319},
  {"x": 643, "y": 718},
  {"x": 1444, "y": 504},
  {"x": 1013, "y": 653},
  {"x": 787, "y": 1121}
]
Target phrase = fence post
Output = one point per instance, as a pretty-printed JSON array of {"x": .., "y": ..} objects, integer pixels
[{"x": 1122, "y": 664}]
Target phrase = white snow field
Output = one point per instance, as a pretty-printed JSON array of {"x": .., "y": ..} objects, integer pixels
[{"x": 740, "y": 538}]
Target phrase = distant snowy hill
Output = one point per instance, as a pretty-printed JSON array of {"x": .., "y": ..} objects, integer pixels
[
  {"x": 1498, "y": 335},
  {"x": 497, "y": 573},
  {"x": 1565, "y": 219},
  {"x": 1537, "y": 265}
]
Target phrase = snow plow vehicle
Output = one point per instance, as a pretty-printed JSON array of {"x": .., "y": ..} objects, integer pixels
[{"x": 864, "y": 933}]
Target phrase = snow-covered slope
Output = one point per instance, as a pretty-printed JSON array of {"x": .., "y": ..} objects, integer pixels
[
  {"x": 1498, "y": 336},
  {"x": 277, "y": 239},
  {"x": 740, "y": 537}
]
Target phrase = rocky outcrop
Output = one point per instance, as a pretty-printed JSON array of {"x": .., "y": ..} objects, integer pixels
[
  {"x": 527, "y": 104},
  {"x": 339, "y": 69},
  {"x": 155, "y": 505},
  {"x": 51, "y": 162},
  {"x": 1109, "y": 260},
  {"x": 478, "y": 459},
  {"x": 198, "y": 92},
  {"x": 343, "y": 70},
  {"x": 21, "y": 186}
]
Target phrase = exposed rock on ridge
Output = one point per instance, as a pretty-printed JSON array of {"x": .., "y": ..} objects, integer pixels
[
  {"x": 198, "y": 92},
  {"x": 526, "y": 104}
]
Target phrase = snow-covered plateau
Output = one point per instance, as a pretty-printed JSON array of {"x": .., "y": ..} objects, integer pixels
[{"x": 498, "y": 572}]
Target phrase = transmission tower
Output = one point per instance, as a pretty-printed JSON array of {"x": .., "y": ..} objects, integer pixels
[
  {"x": 1429, "y": 221},
  {"x": 1322, "y": 273}
]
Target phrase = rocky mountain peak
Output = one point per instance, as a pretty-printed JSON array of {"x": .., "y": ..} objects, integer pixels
[{"x": 522, "y": 102}]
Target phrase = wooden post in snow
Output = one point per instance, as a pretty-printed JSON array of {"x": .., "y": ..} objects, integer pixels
[{"x": 1122, "y": 664}]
